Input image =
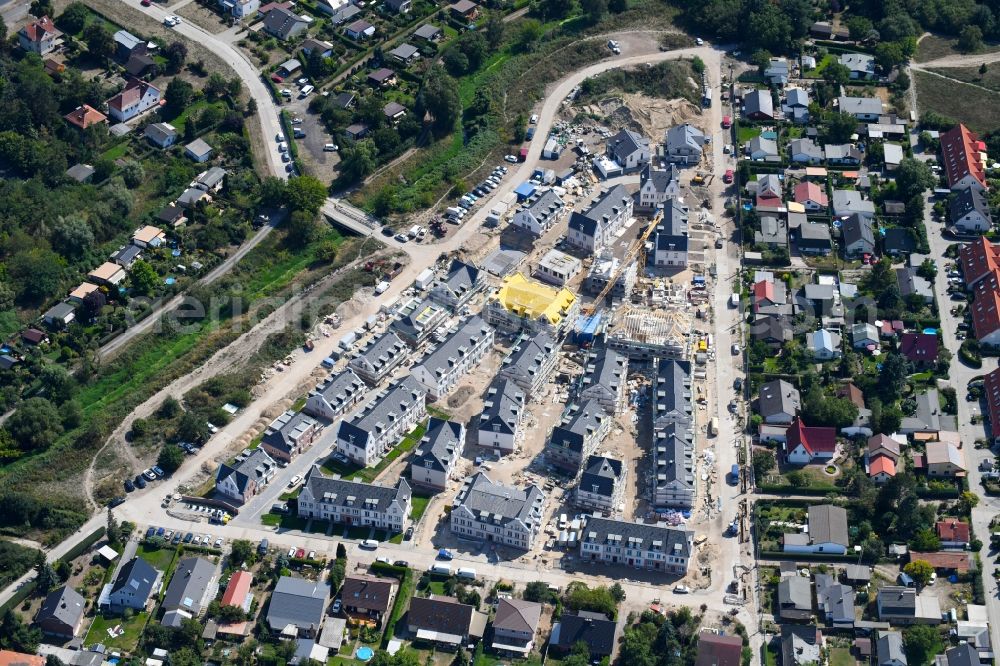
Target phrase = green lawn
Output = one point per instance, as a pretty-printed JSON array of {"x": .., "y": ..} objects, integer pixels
[
  {"x": 827, "y": 60},
  {"x": 271, "y": 519},
  {"x": 420, "y": 503},
  {"x": 841, "y": 657},
  {"x": 747, "y": 133},
  {"x": 436, "y": 587},
  {"x": 116, "y": 151},
  {"x": 487, "y": 659},
  {"x": 285, "y": 522},
  {"x": 368, "y": 474},
  {"x": 159, "y": 558},
  {"x": 127, "y": 641}
]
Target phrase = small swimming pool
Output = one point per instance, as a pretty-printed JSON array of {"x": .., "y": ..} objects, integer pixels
[
  {"x": 364, "y": 653},
  {"x": 930, "y": 331},
  {"x": 170, "y": 280}
]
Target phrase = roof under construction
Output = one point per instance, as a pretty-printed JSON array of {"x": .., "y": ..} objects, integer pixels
[{"x": 643, "y": 333}]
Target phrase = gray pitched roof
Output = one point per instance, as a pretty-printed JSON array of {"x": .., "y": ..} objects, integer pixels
[
  {"x": 778, "y": 397},
  {"x": 281, "y": 22},
  {"x": 529, "y": 355},
  {"x": 339, "y": 492},
  {"x": 397, "y": 399},
  {"x": 778, "y": 329},
  {"x": 674, "y": 460},
  {"x": 577, "y": 423},
  {"x": 600, "y": 474},
  {"x": 253, "y": 467},
  {"x": 672, "y": 392},
  {"x": 517, "y": 615},
  {"x": 626, "y": 142},
  {"x": 889, "y": 647},
  {"x": 898, "y": 600},
  {"x": 503, "y": 503},
  {"x": 860, "y": 105},
  {"x": 455, "y": 346},
  {"x": 968, "y": 200},
  {"x": 439, "y": 445},
  {"x": 381, "y": 354},
  {"x": 189, "y": 585},
  {"x": 805, "y": 146},
  {"x": 605, "y": 369},
  {"x": 544, "y": 204},
  {"x": 594, "y": 629},
  {"x": 285, "y": 431},
  {"x": 137, "y": 574},
  {"x": 767, "y": 146},
  {"x": 503, "y": 401},
  {"x": 610, "y": 204},
  {"x": 673, "y": 541},
  {"x": 404, "y": 51},
  {"x": 795, "y": 592},
  {"x": 427, "y": 31},
  {"x": 440, "y": 613},
  {"x": 341, "y": 389},
  {"x": 834, "y": 599},
  {"x": 798, "y": 97},
  {"x": 962, "y": 655},
  {"x": 858, "y": 228},
  {"x": 298, "y": 602},
  {"x": 460, "y": 279},
  {"x": 661, "y": 178},
  {"x": 672, "y": 231},
  {"x": 684, "y": 136},
  {"x": 63, "y": 605},
  {"x": 828, "y": 524},
  {"x": 759, "y": 101}
]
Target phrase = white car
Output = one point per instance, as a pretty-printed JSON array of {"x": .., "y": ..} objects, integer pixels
[
  {"x": 534, "y": 118},
  {"x": 699, "y": 41},
  {"x": 303, "y": 81},
  {"x": 285, "y": 92},
  {"x": 510, "y": 158},
  {"x": 295, "y": 481},
  {"x": 330, "y": 147},
  {"x": 312, "y": 554},
  {"x": 283, "y": 147},
  {"x": 291, "y": 552},
  {"x": 218, "y": 542},
  {"x": 682, "y": 589},
  {"x": 196, "y": 540},
  {"x": 296, "y": 121}
]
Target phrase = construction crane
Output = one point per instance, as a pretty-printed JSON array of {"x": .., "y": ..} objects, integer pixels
[{"x": 634, "y": 251}]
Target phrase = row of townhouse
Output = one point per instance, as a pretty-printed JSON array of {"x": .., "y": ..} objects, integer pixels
[
  {"x": 655, "y": 547},
  {"x": 354, "y": 503},
  {"x": 379, "y": 358},
  {"x": 530, "y": 362},
  {"x": 595, "y": 228},
  {"x": 964, "y": 157},
  {"x": 539, "y": 213},
  {"x": 457, "y": 287},
  {"x": 436, "y": 454},
  {"x": 673, "y": 435},
  {"x": 492, "y": 512},
  {"x": 669, "y": 248},
  {"x": 502, "y": 415},
  {"x": 442, "y": 368},
  {"x": 370, "y": 433}
]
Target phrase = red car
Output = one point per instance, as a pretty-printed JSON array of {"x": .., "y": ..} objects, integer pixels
[
  {"x": 146, "y": 3},
  {"x": 276, "y": 78},
  {"x": 728, "y": 177},
  {"x": 727, "y": 122},
  {"x": 300, "y": 553}
]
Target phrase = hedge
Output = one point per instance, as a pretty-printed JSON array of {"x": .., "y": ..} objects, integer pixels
[
  {"x": 389, "y": 569},
  {"x": 779, "y": 489}
]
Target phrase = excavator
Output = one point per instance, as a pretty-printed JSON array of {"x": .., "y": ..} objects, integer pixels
[{"x": 636, "y": 250}]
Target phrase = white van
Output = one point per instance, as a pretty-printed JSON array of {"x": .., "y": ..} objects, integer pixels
[
  {"x": 306, "y": 91},
  {"x": 369, "y": 544},
  {"x": 441, "y": 569},
  {"x": 466, "y": 573}
]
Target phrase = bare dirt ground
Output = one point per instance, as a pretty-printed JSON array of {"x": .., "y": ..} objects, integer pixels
[
  {"x": 651, "y": 116},
  {"x": 203, "y": 17}
]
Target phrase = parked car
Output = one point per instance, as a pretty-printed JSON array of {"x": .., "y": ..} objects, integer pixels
[
  {"x": 129, "y": 486},
  {"x": 400, "y": 563},
  {"x": 149, "y": 474},
  {"x": 291, "y": 552},
  {"x": 160, "y": 531},
  {"x": 188, "y": 537},
  {"x": 150, "y": 532},
  {"x": 218, "y": 542},
  {"x": 336, "y": 606},
  {"x": 158, "y": 471},
  {"x": 295, "y": 481},
  {"x": 177, "y": 538},
  {"x": 330, "y": 147},
  {"x": 139, "y": 481},
  {"x": 300, "y": 553},
  {"x": 311, "y": 555},
  {"x": 681, "y": 589},
  {"x": 445, "y": 554}
]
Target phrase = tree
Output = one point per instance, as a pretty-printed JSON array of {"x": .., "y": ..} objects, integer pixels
[
  {"x": 215, "y": 87},
  {"x": 46, "y": 578},
  {"x": 246, "y": 655},
  {"x": 35, "y": 425},
  {"x": 889, "y": 55},
  {"x": 461, "y": 658},
  {"x": 302, "y": 228},
  {"x": 528, "y": 35},
  {"x": 170, "y": 459},
  {"x": 617, "y": 6},
  {"x": 113, "y": 531},
  {"x": 970, "y": 39},
  {"x": 17, "y": 636},
  {"x": 71, "y": 236},
  {"x": 74, "y": 17},
  {"x": 913, "y": 177},
  {"x": 770, "y": 29},
  {"x": 438, "y": 97},
  {"x": 143, "y": 277},
  {"x": 357, "y": 160},
  {"x": 35, "y": 274},
  {"x": 922, "y": 643},
  {"x": 892, "y": 377},
  {"x": 860, "y": 28},
  {"x": 494, "y": 30},
  {"x": 179, "y": 95},
  {"x": 837, "y": 74},
  {"x": 839, "y": 127},
  {"x": 175, "y": 53},
  {"x": 341, "y": 551},
  {"x": 192, "y": 428},
  {"x": 617, "y": 593},
  {"x": 549, "y": 10},
  {"x": 132, "y": 173},
  {"x": 967, "y": 501},
  {"x": 925, "y": 541},
  {"x": 272, "y": 191},
  {"x": 305, "y": 193},
  {"x": 594, "y": 9},
  {"x": 983, "y": 69},
  {"x": 920, "y": 571},
  {"x": 242, "y": 551},
  {"x": 100, "y": 41},
  {"x": 327, "y": 252},
  {"x": 52, "y": 660},
  {"x": 763, "y": 462}
]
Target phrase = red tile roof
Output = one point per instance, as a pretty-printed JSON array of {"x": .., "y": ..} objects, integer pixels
[
  {"x": 985, "y": 313},
  {"x": 715, "y": 650},
  {"x": 36, "y": 30},
  {"x": 134, "y": 91},
  {"x": 85, "y": 116},
  {"x": 808, "y": 191},
  {"x": 882, "y": 464},
  {"x": 953, "y": 530},
  {"x": 991, "y": 389},
  {"x": 978, "y": 259},
  {"x": 852, "y": 393},
  {"x": 813, "y": 439},
  {"x": 763, "y": 290},
  {"x": 238, "y": 588},
  {"x": 960, "y": 154},
  {"x": 919, "y": 347},
  {"x": 891, "y": 327},
  {"x": 11, "y": 658},
  {"x": 957, "y": 561}
]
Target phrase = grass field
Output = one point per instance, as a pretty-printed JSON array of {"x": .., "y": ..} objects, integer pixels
[
  {"x": 841, "y": 657},
  {"x": 127, "y": 641},
  {"x": 991, "y": 79},
  {"x": 933, "y": 47},
  {"x": 420, "y": 503},
  {"x": 159, "y": 558},
  {"x": 977, "y": 109}
]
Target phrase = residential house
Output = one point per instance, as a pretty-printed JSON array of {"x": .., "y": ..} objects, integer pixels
[
  {"x": 557, "y": 268},
  {"x": 814, "y": 238},
  {"x": 969, "y": 212},
  {"x": 60, "y": 315},
  {"x": 581, "y": 430},
  {"x": 134, "y": 584},
  {"x": 521, "y": 304},
  {"x": 464, "y": 10},
  {"x": 245, "y": 478},
  {"x": 324, "y": 49},
  {"x": 405, "y": 54},
  {"x": 654, "y": 547},
  {"x": 368, "y": 598},
  {"x": 108, "y": 274},
  {"x": 372, "y": 432},
  {"x": 191, "y": 197},
  {"x": 85, "y": 116},
  {"x": 604, "y": 379},
  {"x": 126, "y": 255},
  {"x": 539, "y": 213},
  {"x": 437, "y": 453},
  {"x": 911, "y": 284},
  {"x": 297, "y": 606},
  {"x": 801, "y": 645},
  {"x": 881, "y": 469},
  {"x": 379, "y": 358},
  {"x": 61, "y": 613},
  {"x": 445, "y": 365},
  {"x": 769, "y": 191},
  {"x": 514, "y": 625},
  {"x": 777, "y": 71},
  {"x": 39, "y": 36},
  {"x": 599, "y": 224},
  {"x": 811, "y": 196},
  {"x": 850, "y": 202},
  {"x": 443, "y": 620},
  {"x": 889, "y": 649},
  {"x": 418, "y": 319},
  {"x": 963, "y": 155},
  {"x": 944, "y": 459},
  {"x": 861, "y": 65},
  {"x": 963, "y": 654},
  {"x": 892, "y": 155},
  {"x": 335, "y": 396},
  {"x": 809, "y": 444},
  {"x": 864, "y": 335},
  {"x": 503, "y": 411},
  {"x": 359, "y": 31},
  {"x": 81, "y": 173},
  {"x": 593, "y": 629},
  {"x": 149, "y": 236},
  {"x": 630, "y": 150},
  {"x": 883, "y": 445},
  {"x": 240, "y": 9},
  {"x": 763, "y": 149},
  {"x": 920, "y": 348},
  {"x": 458, "y": 286},
  {"x": 985, "y": 312},
  {"x": 284, "y": 24},
  {"x": 858, "y": 236},
  {"x": 804, "y": 151},
  {"x": 674, "y": 465},
  {"x": 602, "y": 485},
  {"x": 289, "y": 435},
  {"x": 353, "y": 502},
  {"x": 127, "y": 45},
  {"x": 161, "y": 135},
  {"x": 81, "y": 292},
  {"x": 845, "y": 154},
  {"x": 718, "y": 650},
  {"x": 927, "y": 417},
  {"x": 199, "y": 150},
  {"x": 658, "y": 185},
  {"x": 835, "y": 601},
  {"x": 773, "y": 330},
  {"x": 862, "y": 108},
  {"x": 485, "y": 510},
  {"x": 137, "y": 97},
  {"x": 796, "y": 106},
  {"x": 773, "y": 231},
  {"x": 795, "y": 598},
  {"x": 758, "y": 105},
  {"x": 670, "y": 240},
  {"x": 953, "y": 533},
  {"x": 428, "y": 33},
  {"x": 398, "y": 6},
  {"x": 684, "y": 145},
  {"x": 902, "y": 605},
  {"x": 991, "y": 392},
  {"x": 194, "y": 583},
  {"x": 778, "y": 402},
  {"x": 898, "y": 241},
  {"x": 827, "y": 532}
]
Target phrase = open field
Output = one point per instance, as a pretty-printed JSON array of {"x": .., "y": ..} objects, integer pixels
[
  {"x": 937, "y": 94},
  {"x": 933, "y": 47},
  {"x": 991, "y": 79}
]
